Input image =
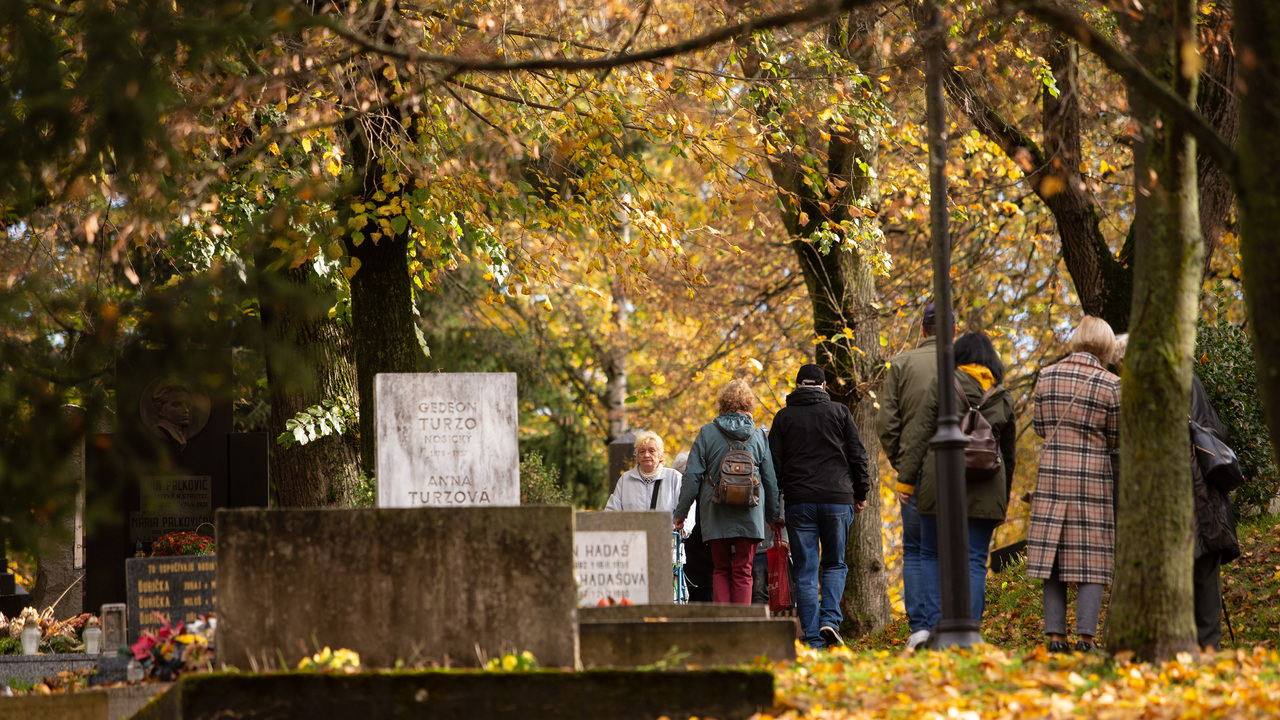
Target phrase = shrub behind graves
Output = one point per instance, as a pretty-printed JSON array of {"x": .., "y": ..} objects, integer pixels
[
  {"x": 1224, "y": 363},
  {"x": 539, "y": 484}
]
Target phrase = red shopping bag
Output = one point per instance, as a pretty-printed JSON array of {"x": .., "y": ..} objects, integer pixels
[{"x": 779, "y": 578}]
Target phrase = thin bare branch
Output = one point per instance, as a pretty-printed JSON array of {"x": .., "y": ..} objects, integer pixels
[{"x": 817, "y": 11}]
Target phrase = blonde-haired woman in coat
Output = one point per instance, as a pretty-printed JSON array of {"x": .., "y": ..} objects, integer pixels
[{"x": 1072, "y": 531}]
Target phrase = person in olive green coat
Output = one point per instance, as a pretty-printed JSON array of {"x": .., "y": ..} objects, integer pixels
[
  {"x": 732, "y": 531},
  {"x": 978, "y": 370},
  {"x": 901, "y": 396}
]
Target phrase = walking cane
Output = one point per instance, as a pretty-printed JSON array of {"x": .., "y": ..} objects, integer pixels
[{"x": 1227, "y": 616}]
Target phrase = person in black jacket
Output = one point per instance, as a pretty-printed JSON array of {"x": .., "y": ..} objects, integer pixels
[
  {"x": 1216, "y": 541},
  {"x": 822, "y": 475}
]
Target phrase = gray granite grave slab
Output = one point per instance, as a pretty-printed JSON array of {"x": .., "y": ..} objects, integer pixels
[
  {"x": 657, "y": 529},
  {"x": 446, "y": 439},
  {"x": 442, "y": 585},
  {"x": 31, "y": 668}
]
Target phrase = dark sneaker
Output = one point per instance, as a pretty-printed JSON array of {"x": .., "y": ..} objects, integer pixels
[
  {"x": 1085, "y": 646},
  {"x": 1057, "y": 646},
  {"x": 830, "y": 635}
]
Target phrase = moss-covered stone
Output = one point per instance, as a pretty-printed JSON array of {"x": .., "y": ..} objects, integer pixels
[{"x": 466, "y": 695}]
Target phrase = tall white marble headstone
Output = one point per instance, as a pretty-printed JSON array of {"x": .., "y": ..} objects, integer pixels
[{"x": 446, "y": 439}]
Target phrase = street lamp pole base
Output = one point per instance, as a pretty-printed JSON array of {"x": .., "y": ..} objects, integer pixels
[{"x": 955, "y": 633}]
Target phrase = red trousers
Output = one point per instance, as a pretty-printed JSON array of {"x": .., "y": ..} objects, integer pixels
[{"x": 731, "y": 578}]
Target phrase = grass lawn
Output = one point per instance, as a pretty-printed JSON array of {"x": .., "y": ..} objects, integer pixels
[{"x": 1013, "y": 676}]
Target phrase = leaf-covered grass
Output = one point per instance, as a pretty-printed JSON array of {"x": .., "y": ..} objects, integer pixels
[
  {"x": 1013, "y": 620},
  {"x": 989, "y": 682},
  {"x": 1012, "y": 676},
  {"x": 1251, "y": 585}
]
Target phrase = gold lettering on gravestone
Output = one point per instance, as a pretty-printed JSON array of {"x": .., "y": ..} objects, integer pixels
[{"x": 168, "y": 591}]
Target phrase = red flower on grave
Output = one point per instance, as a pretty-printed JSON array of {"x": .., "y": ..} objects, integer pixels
[{"x": 182, "y": 542}]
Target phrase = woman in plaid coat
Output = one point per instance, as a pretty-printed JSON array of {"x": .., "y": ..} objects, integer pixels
[{"x": 1072, "y": 532}]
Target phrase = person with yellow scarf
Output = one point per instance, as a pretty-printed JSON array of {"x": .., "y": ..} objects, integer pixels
[{"x": 980, "y": 373}]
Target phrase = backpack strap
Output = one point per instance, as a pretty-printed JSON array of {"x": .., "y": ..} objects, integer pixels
[
  {"x": 981, "y": 401},
  {"x": 728, "y": 439},
  {"x": 1087, "y": 381}
]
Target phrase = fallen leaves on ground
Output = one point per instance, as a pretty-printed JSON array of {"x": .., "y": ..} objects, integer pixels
[{"x": 987, "y": 682}]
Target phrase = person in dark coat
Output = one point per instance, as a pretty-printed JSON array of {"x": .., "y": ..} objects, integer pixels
[
  {"x": 697, "y": 564},
  {"x": 980, "y": 373},
  {"x": 822, "y": 475},
  {"x": 1216, "y": 541}
]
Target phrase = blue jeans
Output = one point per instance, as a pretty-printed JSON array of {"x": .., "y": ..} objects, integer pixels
[
  {"x": 980, "y": 532},
  {"x": 818, "y": 533},
  {"x": 912, "y": 592}
]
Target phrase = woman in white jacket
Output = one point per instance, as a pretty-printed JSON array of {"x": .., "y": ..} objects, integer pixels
[{"x": 648, "y": 485}]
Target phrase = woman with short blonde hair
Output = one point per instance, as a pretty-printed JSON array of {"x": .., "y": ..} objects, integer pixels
[
  {"x": 648, "y": 485},
  {"x": 1094, "y": 336},
  {"x": 1071, "y": 536},
  {"x": 732, "y": 531}
]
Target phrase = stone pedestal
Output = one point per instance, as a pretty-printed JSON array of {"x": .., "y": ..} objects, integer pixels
[
  {"x": 622, "y": 457},
  {"x": 452, "y": 586}
]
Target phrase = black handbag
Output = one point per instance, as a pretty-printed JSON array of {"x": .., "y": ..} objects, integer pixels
[{"x": 1218, "y": 462}]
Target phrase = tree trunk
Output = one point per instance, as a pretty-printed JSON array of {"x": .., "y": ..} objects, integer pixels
[
  {"x": 382, "y": 319},
  {"x": 308, "y": 361},
  {"x": 1151, "y": 601},
  {"x": 615, "y": 361},
  {"x": 1257, "y": 32},
  {"x": 1217, "y": 101},
  {"x": 866, "y": 600},
  {"x": 841, "y": 289}
]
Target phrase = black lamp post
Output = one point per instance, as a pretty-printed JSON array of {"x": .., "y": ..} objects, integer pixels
[{"x": 956, "y": 628}]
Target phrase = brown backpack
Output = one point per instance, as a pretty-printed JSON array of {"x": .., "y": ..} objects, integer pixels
[
  {"x": 738, "y": 482},
  {"x": 982, "y": 456}
]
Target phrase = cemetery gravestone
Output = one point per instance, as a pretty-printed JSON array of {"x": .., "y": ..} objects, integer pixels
[
  {"x": 171, "y": 463},
  {"x": 610, "y": 562},
  {"x": 447, "y": 440},
  {"x": 611, "y": 566},
  {"x": 622, "y": 457},
  {"x": 178, "y": 588}
]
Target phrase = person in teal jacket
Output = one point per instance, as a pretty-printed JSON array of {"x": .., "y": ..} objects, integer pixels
[{"x": 732, "y": 531}]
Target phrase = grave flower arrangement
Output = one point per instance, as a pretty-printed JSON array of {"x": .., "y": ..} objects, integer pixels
[
  {"x": 175, "y": 649},
  {"x": 56, "y": 636},
  {"x": 182, "y": 542}
]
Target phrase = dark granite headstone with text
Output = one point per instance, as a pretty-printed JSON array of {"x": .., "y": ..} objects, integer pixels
[
  {"x": 172, "y": 461},
  {"x": 179, "y": 588}
]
